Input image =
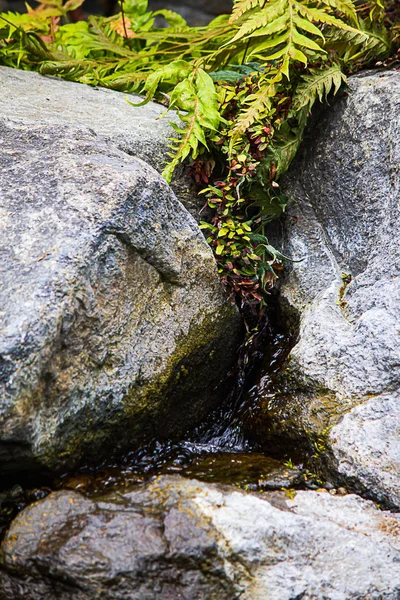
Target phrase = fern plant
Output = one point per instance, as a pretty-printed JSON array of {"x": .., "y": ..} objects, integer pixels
[{"x": 243, "y": 87}]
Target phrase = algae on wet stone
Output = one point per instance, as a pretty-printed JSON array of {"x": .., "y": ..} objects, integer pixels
[{"x": 193, "y": 350}]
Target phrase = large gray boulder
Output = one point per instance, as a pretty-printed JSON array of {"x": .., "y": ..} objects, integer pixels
[
  {"x": 113, "y": 325},
  {"x": 184, "y": 539},
  {"x": 32, "y": 99},
  {"x": 340, "y": 385}
]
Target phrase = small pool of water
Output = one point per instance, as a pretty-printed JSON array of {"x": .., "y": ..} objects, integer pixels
[
  {"x": 222, "y": 450},
  {"x": 249, "y": 471}
]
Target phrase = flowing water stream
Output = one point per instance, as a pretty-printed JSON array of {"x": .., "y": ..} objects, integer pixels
[{"x": 225, "y": 449}]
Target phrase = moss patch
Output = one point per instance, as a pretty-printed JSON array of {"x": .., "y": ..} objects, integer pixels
[{"x": 176, "y": 399}]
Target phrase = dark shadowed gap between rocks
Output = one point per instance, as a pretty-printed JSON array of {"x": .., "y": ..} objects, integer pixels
[{"x": 224, "y": 448}]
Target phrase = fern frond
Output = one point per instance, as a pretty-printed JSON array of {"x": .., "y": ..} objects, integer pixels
[
  {"x": 317, "y": 84},
  {"x": 287, "y": 143},
  {"x": 346, "y": 7},
  {"x": 175, "y": 72},
  {"x": 129, "y": 81},
  {"x": 322, "y": 16},
  {"x": 264, "y": 22},
  {"x": 240, "y": 7},
  {"x": 92, "y": 38},
  {"x": 285, "y": 153},
  {"x": 288, "y": 29},
  {"x": 337, "y": 39},
  {"x": 376, "y": 46},
  {"x": 362, "y": 45},
  {"x": 196, "y": 102},
  {"x": 257, "y": 106}
]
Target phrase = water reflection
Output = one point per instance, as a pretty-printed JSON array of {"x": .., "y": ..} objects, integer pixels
[{"x": 224, "y": 449}]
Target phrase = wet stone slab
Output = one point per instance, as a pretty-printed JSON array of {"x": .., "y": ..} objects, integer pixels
[{"x": 179, "y": 538}]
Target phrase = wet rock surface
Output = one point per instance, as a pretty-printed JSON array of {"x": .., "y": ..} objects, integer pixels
[
  {"x": 365, "y": 446},
  {"x": 179, "y": 538},
  {"x": 114, "y": 327},
  {"x": 250, "y": 471},
  {"x": 344, "y": 370}
]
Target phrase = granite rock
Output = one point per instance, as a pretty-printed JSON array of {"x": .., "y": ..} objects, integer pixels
[
  {"x": 114, "y": 328},
  {"x": 179, "y": 538},
  {"x": 340, "y": 385},
  {"x": 29, "y": 98}
]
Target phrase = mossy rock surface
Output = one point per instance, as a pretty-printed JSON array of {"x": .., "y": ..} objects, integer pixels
[{"x": 114, "y": 326}]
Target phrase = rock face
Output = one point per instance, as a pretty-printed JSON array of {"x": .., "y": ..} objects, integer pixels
[
  {"x": 32, "y": 99},
  {"x": 183, "y": 539},
  {"x": 345, "y": 368},
  {"x": 113, "y": 325}
]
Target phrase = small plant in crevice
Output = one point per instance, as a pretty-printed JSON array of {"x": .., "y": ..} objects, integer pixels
[{"x": 243, "y": 87}]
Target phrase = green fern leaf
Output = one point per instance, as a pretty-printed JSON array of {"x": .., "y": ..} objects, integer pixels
[
  {"x": 264, "y": 22},
  {"x": 257, "y": 107},
  {"x": 175, "y": 72},
  {"x": 242, "y": 6},
  {"x": 346, "y": 7},
  {"x": 376, "y": 46},
  {"x": 271, "y": 43},
  {"x": 321, "y": 16},
  {"x": 305, "y": 42},
  {"x": 196, "y": 102},
  {"x": 285, "y": 152},
  {"x": 307, "y": 26},
  {"x": 360, "y": 45},
  {"x": 288, "y": 29},
  {"x": 316, "y": 85}
]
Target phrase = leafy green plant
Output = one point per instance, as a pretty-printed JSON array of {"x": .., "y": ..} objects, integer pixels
[{"x": 243, "y": 87}]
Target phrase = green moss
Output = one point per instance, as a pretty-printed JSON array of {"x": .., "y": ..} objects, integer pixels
[
  {"x": 174, "y": 399},
  {"x": 301, "y": 412},
  {"x": 189, "y": 352}
]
